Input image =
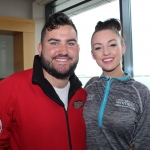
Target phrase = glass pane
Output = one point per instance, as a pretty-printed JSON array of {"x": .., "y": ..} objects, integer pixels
[
  {"x": 6, "y": 56},
  {"x": 140, "y": 38},
  {"x": 85, "y": 23}
]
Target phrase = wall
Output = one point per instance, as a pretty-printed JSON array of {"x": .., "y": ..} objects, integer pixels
[
  {"x": 16, "y": 8},
  {"x": 39, "y": 17},
  {"x": 25, "y": 9}
]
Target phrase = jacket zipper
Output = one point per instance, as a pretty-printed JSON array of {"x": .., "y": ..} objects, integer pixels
[
  {"x": 68, "y": 127},
  {"x": 103, "y": 104}
]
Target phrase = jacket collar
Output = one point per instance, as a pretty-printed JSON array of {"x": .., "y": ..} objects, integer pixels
[
  {"x": 127, "y": 76},
  {"x": 38, "y": 78}
]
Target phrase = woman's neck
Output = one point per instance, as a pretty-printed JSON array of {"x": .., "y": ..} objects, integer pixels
[{"x": 116, "y": 73}]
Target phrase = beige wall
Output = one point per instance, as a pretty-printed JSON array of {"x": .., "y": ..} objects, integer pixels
[
  {"x": 20, "y": 9},
  {"x": 39, "y": 17},
  {"x": 23, "y": 31},
  {"x": 25, "y": 9}
]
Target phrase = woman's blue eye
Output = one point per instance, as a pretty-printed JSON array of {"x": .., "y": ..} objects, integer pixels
[
  {"x": 112, "y": 45},
  {"x": 97, "y": 48}
]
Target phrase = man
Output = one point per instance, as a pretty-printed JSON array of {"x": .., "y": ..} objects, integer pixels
[{"x": 41, "y": 108}]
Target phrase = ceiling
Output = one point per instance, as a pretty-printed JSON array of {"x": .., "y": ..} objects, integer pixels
[
  {"x": 57, "y": 2},
  {"x": 42, "y": 2}
]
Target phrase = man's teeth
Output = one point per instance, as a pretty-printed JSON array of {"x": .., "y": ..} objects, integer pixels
[{"x": 61, "y": 59}]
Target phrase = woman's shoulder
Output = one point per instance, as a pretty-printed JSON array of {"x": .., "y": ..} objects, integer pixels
[
  {"x": 141, "y": 89},
  {"x": 140, "y": 86},
  {"x": 92, "y": 81}
]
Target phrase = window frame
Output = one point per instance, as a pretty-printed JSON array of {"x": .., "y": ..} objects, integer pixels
[{"x": 125, "y": 17}]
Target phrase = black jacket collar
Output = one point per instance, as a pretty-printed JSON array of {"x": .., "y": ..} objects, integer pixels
[{"x": 38, "y": 78}]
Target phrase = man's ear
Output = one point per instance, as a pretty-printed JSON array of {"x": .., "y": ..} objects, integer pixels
[
  {"x": 39, "y": 48},
  {"x": 78, "y": 47}
]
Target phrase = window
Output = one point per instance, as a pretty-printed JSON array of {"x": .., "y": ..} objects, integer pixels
[
  {"x": 140, "y": 40},
  {"x": 6, "y": 56},
  {"x": 85, "y": 23}
]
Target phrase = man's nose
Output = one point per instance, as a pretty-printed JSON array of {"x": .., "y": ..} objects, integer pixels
[{"x": 63, "y": 49}]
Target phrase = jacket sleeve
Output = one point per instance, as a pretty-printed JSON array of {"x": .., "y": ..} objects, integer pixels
[
  {"x": 142, "y": 130},
  {"x": 6, "y": 112}
]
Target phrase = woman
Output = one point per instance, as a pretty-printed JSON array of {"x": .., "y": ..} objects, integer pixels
[{"x": 117, "y": 110}]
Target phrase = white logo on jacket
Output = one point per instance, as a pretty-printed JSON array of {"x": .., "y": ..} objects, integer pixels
[
  {"x": 90, "y": 96},
  {"x": 0, "y": 126},
  {"x": 125, "y": 103}
]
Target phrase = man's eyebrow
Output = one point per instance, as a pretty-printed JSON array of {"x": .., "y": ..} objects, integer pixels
[
  {"x": 69, "y": 40},
  {"x": 53, "y": 39}
]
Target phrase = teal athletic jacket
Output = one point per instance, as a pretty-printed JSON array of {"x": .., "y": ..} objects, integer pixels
[{"x": 117, "y": 113}]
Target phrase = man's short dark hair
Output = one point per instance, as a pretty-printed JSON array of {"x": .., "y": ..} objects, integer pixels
[{"x": 56, "y": 20}]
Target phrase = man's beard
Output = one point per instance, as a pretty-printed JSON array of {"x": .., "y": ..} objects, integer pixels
[{"x": 48, "y": 66}]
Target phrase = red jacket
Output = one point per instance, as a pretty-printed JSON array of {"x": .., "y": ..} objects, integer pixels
[{"x": 34, "y": 118}]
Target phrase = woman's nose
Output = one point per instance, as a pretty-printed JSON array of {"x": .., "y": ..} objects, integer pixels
[{"x": 106, "y": 51}]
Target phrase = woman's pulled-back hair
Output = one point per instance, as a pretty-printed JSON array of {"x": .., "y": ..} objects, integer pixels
[
  {"x": 110, "y": 24},
  {"x": 56, "y": 20}
]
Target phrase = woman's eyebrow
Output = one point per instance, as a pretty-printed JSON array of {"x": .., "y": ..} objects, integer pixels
[
  {"x": 96, "y": 44},
  {"x": 111, "y": 40},
  {"x": 108, "y": 42}
]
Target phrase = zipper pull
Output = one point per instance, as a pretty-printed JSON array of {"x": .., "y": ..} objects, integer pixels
[{"x": 108, "y": 78}]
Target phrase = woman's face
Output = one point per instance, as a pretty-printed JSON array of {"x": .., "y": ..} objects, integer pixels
[{"x": 107, "y": 50}]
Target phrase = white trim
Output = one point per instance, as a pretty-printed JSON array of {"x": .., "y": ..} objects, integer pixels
[
  {"x": 67, "y": 4},
  {"x": 80, "y": 8}
]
